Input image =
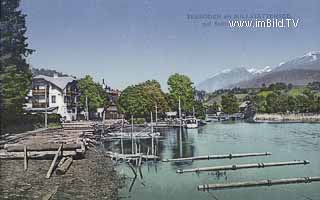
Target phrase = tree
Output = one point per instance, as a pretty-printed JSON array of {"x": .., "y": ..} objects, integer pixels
[
  {"x": 213, "y": 108},
  {"x": 229, "y": 104},
  {"x": 95, "y": 94},
  {"x": 15, "y": 77},
  {"x": 181, "y": 86},
  {"x": 141, "y": 99}
]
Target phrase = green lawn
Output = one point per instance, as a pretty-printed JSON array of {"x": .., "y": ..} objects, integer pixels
[
  {"x": 296, "y": 91},
  {"x": 264, "y": 93}
]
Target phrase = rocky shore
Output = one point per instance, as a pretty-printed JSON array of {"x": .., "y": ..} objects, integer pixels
[{"x": 93, "y": 177}]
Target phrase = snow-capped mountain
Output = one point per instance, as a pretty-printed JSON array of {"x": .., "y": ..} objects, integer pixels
[
  {"x": 310, "y": 61},
  {"x": 224, "y": 79},
  {"x": 260, "y": 71},
  {"x": 287, "y": 72}
]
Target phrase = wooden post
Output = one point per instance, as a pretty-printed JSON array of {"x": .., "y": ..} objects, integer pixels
[
  {"x": 244, "y": 166},
  {"x": 258, "y": 183},
  {"x": 25, "y": 158},
  {"x": 54, "y": 162},
  {"x": 225, "y": 156}
]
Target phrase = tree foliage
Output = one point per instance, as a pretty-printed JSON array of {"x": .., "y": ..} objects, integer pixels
[
  {"x": 141, "y": 99},
  {"x": 15, "y": 77},
  {"x": 181, "y": 86},
  {"x": 96, "y": 95},
  {"x": 229, "y": 104}
]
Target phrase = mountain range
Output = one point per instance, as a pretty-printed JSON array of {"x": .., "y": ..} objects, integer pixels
[{"x": 298, "y": 71}]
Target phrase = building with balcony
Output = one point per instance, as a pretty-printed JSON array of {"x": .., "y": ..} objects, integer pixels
[{"x": 54, "y": 94}]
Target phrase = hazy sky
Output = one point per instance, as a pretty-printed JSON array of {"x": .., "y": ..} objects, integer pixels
[{"x": 127, "y": 41}]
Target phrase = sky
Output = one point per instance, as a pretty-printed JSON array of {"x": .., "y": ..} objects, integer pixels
[{"x": 127, "y": 42}]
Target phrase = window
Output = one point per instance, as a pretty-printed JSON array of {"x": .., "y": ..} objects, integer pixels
[{"x": 53, "y": 98}]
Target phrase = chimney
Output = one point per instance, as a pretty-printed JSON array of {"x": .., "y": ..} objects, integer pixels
[{"x": 55, "y": 75}]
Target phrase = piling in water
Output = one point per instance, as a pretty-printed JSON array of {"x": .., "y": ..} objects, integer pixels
[
  {"x": 258, "y": 183},
  {"x": 224, "y": 156},
  {"x": 244, "y": 166}
]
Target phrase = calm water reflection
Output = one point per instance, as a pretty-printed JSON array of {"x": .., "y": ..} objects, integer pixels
[{"x": 286, "y": 141}]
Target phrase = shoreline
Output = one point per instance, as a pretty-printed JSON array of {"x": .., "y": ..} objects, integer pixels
[
  {"x": 93, "y": 177},
  {"x": 286, "y": 118}
]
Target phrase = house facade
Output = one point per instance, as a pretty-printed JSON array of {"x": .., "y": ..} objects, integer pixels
[{"x": 56, "y": 95}]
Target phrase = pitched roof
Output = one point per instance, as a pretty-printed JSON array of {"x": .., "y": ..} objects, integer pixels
[{"x": 60, "y": 82}]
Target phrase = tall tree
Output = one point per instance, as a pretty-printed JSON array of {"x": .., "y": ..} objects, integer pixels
[
  {"x": 229, "y": 104},
  {"x": 181, "y": 86},
  {"x": 141, "y": 99},
  {"x": 95, "y": 94},
  {"x": 15, "y": 79}
]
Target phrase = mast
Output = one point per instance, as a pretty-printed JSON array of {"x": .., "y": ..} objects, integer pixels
[
  {"x": 132, "y": 135},
  {"x": 156, "y": 114},
  {"x": 193, "y": 112},
  {"x": 180, "y": 117},
  {"x": 152, "y": 145},
  {"x": 121, "y": 141}
]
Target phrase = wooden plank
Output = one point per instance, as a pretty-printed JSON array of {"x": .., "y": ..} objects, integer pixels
[
  {"x": 244, "y": 166},
  {"x": 224, "y": 156},
  {"x": 54, "y": 162},
  {"x": 258, "y": 183}
]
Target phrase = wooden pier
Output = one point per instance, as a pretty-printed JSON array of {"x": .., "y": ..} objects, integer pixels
[
  {"x": 258, "y": 183},
  {"x": 244, "y": 166},
  {"x": 225, "y": 156}
]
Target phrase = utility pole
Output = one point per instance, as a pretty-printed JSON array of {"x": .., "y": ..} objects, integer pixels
[
  {"x": 76, "y": 104},
  {"x": 46, "y": 108}
]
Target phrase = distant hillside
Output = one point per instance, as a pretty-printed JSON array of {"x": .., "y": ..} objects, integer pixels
[
  {"x": 294, "y": 76},
  {"x": 299, "y": 71},
  {"x": 224, "y": 79},
  {"x": 47, "y": 72},
  {"x": 309, "y": 61}
]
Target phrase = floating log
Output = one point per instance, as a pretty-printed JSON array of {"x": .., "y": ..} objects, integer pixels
[
  {"x": 64, "y": 166},
  {"x": 258, "y": 183},
  {"x": 54, "y": 162},
  {"x": 35, "y": 154},
  {"x": 25, "y": 158},
  {"x": 225, "y": 156},
  {"x": 244, "y": 166},
  {"x": 40, "y": 147}
]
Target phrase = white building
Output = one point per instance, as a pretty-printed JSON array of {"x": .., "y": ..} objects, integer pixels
[{"x": 56, "y": 94}]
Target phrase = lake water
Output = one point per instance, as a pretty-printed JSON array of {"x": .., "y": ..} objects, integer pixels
[{"x": 287, "y": 142}]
